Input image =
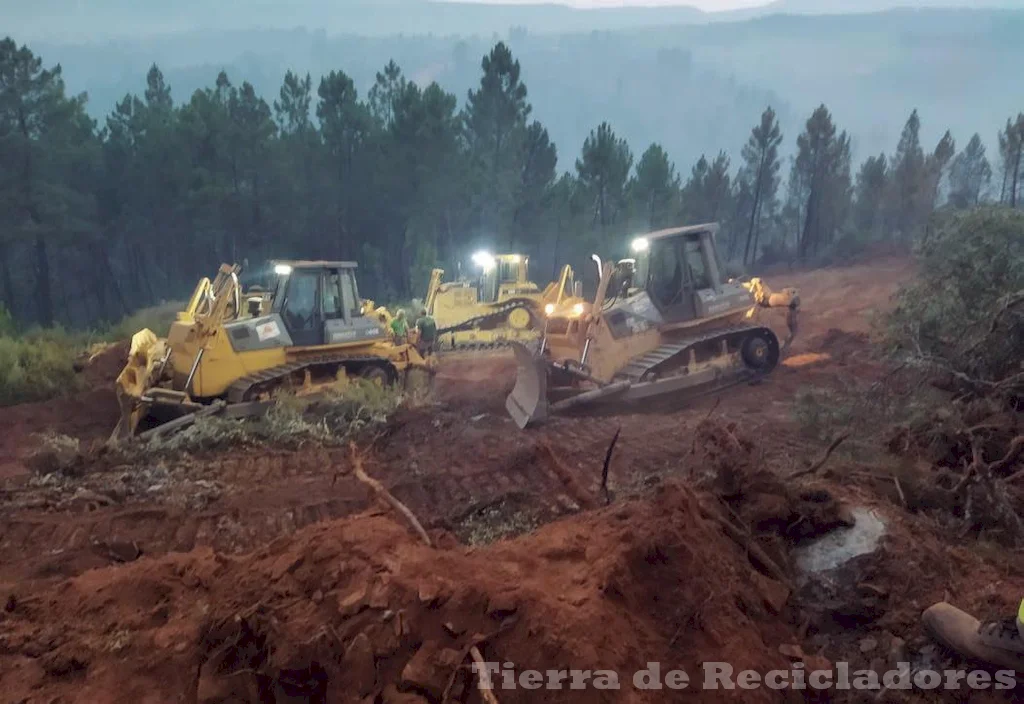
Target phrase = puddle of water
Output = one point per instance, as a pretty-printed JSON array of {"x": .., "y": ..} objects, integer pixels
[{"x": 841, "y": 545}]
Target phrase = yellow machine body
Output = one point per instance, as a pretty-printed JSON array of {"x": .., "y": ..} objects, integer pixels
[
  {"x": 239, "y": 347},
  {"x": 666, "y": 324},
  {"x": 498, "y": 306}
]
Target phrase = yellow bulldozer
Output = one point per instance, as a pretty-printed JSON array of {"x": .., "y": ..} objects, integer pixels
[
  {"x": 665, "y": 324},
  {"x": 498, "y": 305},
  {"x": 231, "y": 349}
]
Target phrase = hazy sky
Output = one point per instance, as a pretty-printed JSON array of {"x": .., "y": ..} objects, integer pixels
[{"x": 710, "y": 5}]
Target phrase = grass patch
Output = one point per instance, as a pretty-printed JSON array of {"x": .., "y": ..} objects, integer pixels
[
  {"x": 37, "y": 366},
  {"x": 508, "y": 518}
]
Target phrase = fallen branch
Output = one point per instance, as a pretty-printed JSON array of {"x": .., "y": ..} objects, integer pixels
[
  {"x": 977, "y": 463},
  {"x": 1010, "y": 302},
  {"x": 693, "y": 445},
  {"x": 968, "y": 475},
  {"x": 578, "y": 494},
  {"x": 380, "y": 491},
  {"x": 474, "y": 644},
  {"x": 607, "y": 462},
  {"x": 820, "y": 463},
  {"x": 899, "y": 490},
  {"x": 1016, "y": 445},
  {"x": 760, "y": 558},
  {"x": 978, "y": 386},
  {"x": 483, "y": 677}
]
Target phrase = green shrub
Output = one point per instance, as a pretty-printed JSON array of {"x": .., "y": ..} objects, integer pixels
[
  {"x": 964, "y": 309},
  {"x": 156, "y": 318},
  {"x": 37, "y": 366}
]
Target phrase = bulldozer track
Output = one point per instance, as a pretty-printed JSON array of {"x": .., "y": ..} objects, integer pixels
[
  {"x": 241, "y": 390},
  {"x": 497, "y": 315},
  {"x": 640, "y": 367},
  {"x": 495, "y": 346}
]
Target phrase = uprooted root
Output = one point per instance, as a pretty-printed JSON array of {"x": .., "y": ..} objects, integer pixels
[{"x": 757, "y": 496}]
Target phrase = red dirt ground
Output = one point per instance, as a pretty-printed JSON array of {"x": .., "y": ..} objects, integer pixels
[
  {"x": 594, "y": 588},
  {"x": 359, "y": 606},
  {"x": 445, "y": 459}
]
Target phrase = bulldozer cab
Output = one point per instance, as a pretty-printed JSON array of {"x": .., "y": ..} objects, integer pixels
[
  {"x": 675, "y": 267},
  {"x": 502, "y": 276},
  {"x": 319, "y": 303}
]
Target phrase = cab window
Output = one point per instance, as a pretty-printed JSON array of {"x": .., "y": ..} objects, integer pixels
[
  {"x": 508, "y": 271},
  {"x": 333, "y": 306},
  {"x": 351, "y": 294},
  {"x": 300, "y": 307},
  {"x": 700, "y": 277}
]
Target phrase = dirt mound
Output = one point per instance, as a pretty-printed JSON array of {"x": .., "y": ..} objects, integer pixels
[
  {"x": 355, "y": 608},
  {"x": 88, "y": 415},
  {"x": 100, "y": 368}
]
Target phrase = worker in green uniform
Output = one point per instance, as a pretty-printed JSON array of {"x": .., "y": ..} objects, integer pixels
[
  {"x": 400, "y": 327},
  {"x": 428, "y": 333}
]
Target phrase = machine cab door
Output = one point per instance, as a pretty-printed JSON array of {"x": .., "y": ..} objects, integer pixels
[
  {"x": 343, "y": 311},
  {"x": 678, "y": 269},
  {"x": 301, "y": 308}
]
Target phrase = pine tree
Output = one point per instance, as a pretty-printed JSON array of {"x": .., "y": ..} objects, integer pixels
[
  {"x": 1011, "y": 149},
  {"x": 47, "y": 148},
  {"x": 603, "y": 170},
  {"x": 871, "y": 189},
  {"x": 822, "y": 178},
  {"x": 969, "y": 175},
  {"x": 495, "y": 118},
  {"x": 654, "y": 190},
  {"x": 908, "y": 179},
  {"x": 761, "y": 172}
]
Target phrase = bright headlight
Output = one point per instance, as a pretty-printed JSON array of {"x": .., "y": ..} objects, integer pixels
[
  {"x": 577, "y": 309},
  {"x": 549, "y": 309},
  {"x": 483, "y": 260},
  {"x": 282, "y": 269},
  {"x": 640, "y": 244}
]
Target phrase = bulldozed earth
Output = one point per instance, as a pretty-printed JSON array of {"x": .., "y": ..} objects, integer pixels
[{"x": 770, "y": 528}]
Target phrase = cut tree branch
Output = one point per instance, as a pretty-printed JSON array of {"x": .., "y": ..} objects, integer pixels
[
  {"x": 820, "y": 463},
  {"x": 607, "y": 462},
  {"x": 759, "y": 557},
  {"x": 1016, "y": 445},
  {"x": 381, "y": 492},
  {"x": 483, "y": 677}
]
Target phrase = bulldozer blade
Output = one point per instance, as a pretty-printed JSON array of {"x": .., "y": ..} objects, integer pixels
[
  {"x": 146, "y": 359},
  {"x": 528, "y": 402}
]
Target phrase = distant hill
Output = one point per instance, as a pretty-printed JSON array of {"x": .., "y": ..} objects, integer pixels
[
  {"x": 84, "y": 20},
  {"x": 828, "y": 7},
  {"x": 693, "y": 88}
]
